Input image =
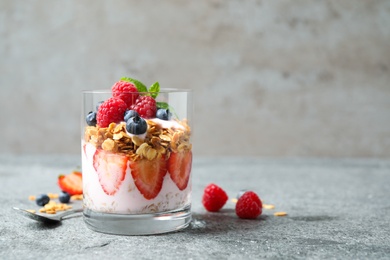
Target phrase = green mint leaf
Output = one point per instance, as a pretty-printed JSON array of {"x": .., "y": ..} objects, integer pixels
[
  {"x": 154, "y": 90},
  {"x": 162, "y": 105},
  {"x": 138, "y": 84}
]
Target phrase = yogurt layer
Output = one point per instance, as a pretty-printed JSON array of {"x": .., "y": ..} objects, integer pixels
[{"x": 128, "y": 199}]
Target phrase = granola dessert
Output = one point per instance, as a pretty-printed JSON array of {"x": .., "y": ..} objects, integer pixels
[{"x": 136, "y": 153}]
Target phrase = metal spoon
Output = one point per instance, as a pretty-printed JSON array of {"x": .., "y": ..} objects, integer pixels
[{"x": 49, "y": 219}]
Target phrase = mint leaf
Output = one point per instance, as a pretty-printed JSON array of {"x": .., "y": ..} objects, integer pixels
[
  {"x": 162, "y": 105},
  {"x": 154, "y": 90},
  {"x": 138, "y": 84}
]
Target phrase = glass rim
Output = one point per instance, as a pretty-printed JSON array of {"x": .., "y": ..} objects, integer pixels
[{"x": 162, "y": 90}]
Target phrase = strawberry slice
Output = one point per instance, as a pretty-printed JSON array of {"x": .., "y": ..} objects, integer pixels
[
  {"x": 111, "y": 169},
  {"x": 71, "y": 183},
  {"x": 148, "y": 176},
  {"x": 179, "y": 168}
]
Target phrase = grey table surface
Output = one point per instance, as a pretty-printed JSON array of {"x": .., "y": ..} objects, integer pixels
[{"x": 337, "y": 209}]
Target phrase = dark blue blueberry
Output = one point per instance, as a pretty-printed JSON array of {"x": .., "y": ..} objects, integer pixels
[
  {"x": 64, "y": 197},
  {"x": 129, "y": 114},
  {"x": 91, "y": 119},
  {"x": 136, "y": 125},
  {"x": 42, "y": 200},
  {"x": 163, "y": 114}
]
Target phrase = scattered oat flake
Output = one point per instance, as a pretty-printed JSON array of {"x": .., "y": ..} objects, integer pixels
[
  {"x": 234, "y": 200},
  {"x": 52, "y": 207},
  {"x": 268, "y": 206},
  {"x": 280, "y": 214},
  {"x": 31, "y": 197},
  {"x": 53, "y": 195},
  {"x": 77, "y": 197},
  {"x": 31, "y": 210}
]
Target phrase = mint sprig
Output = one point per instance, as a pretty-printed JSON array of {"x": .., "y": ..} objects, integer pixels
[
  {"x": 138, "y": 84},
  {"x": 163, "y": 105},
  {"x": 154, "y": 90}
]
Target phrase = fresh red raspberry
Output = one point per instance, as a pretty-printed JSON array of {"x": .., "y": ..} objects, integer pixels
[
  {"x": 111, "y": 111},
  {"x": 214, "y": 198},
  {"x": 249, "y": 205},
  {"x": 126, "y": 91},
  {"x": 145, "y": 106}
]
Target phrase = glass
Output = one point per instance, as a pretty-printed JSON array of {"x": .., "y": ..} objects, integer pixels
[{"x": 137, "y": 182}]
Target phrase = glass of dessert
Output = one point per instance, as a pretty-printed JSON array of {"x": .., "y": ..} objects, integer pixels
[{"x": 136, "y": 158}]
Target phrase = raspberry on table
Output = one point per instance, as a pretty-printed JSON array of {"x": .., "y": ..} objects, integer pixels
[
  {"x": 145, "y": 106},
  {"x": 111, "y": 111},
  {"x": 126, "y": 91},
  {"x": 214, "y": 198},
  {"x": 249, "y": 206}
]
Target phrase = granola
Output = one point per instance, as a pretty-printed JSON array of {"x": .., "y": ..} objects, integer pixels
[{"x": 158, "y": 141}]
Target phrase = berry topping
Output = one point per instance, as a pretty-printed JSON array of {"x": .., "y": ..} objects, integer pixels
[
  {"x": 148, "y": 175},
  {"x": 126, "y": 91},
  {"x": 214, "y": 198},
  {"x": 179, "y": 168},
  {"x": 91, "y": 119},
  {"x": 42, "y": 200},
  {"x": 111, "y": 169},
  {"x": 145, "y": 106},
  {"x": 64, "y": 197},
  {"x": 129, "y": 114},
  {"x": 71, "y": 183},
  {"x": 136, "y": 125},
  {"x": 111, "y": 111},
  {"x": 249, "y": 206},
  {"x": 163, "y": 114}
]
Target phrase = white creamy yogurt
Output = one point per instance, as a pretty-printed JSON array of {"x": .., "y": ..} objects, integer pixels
[{"x": 128, "y": 199}]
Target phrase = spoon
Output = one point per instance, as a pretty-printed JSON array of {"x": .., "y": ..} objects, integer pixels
[{"x": 49, "y": 219}]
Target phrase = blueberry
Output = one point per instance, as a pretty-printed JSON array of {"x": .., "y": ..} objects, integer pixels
[
  {"x": 98, "y": 105},
  {"x": 42, "y": 200},
  {"x": 91, "y": 119},
  {"x": 136, "y": 125},
  {"x": 129, "y": 114},
  {"x": 163, "y": 114},
  {"x": 64, "y": 197}
]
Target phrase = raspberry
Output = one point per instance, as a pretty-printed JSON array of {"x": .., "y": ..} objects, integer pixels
[
  {"x": 214, "y": 198},
  {"x": 249, "y": 205},
  {"x": 111, "y": 111},
  {"x": 145, "y": 106},
  {"x": 126, "y": 91}
]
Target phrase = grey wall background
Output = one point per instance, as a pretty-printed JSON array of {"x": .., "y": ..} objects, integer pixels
[{"x": 271, "y": 78}]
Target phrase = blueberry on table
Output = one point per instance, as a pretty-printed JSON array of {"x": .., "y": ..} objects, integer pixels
[
  {"x": 91, "y": 119},
  {"x": 64, "y": 197},
  {"x": 129, "y": 114},
  {"x": 42, "y": 200},
  {"x": 136, "y": 125},
  {"x": 163, "y": 114}
]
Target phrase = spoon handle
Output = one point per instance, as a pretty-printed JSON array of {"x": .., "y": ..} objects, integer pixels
[{"x": 70, "y": 212}]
